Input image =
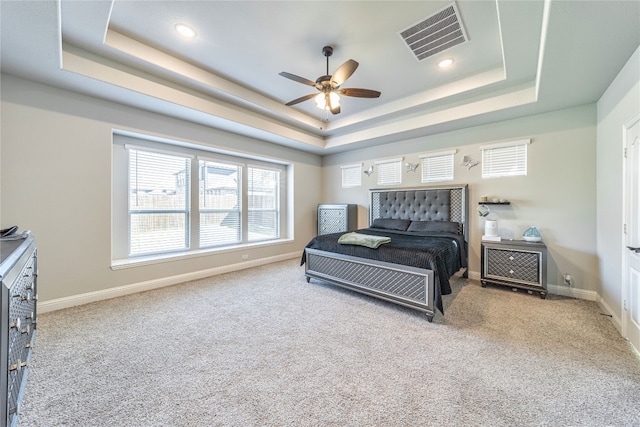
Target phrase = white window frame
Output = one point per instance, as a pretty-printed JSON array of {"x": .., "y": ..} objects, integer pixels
[
  {"x": 133, "y": 211},
  {"x": 207, "y": 210},
  {"x": 389, "y": 171},
  {"x": 276, "y": 210},
  {"x": 505, "y": 159},
  {"x": 120, "y": 257},
  {"x": 351, "y": 175},
  {"x": 437, "y": 166}
]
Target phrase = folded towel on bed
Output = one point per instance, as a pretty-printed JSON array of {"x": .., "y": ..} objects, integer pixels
[{"x": 363, "y": 240}]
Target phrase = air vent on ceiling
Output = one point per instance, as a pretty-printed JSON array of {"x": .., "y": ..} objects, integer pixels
[{"x": 436, "y": 33}]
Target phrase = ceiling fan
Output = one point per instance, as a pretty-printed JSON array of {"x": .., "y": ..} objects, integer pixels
[{"x": 329, "y": 85}]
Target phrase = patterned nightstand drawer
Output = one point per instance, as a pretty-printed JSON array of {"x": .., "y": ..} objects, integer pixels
[
  {"x": 505, "y": 257},
  {"x": 516, "y": 273}
]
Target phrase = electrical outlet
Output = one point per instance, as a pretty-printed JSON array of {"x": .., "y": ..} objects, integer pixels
[
  {"x": 568, "y": 280},
  {"x": 245, "y": 256}
]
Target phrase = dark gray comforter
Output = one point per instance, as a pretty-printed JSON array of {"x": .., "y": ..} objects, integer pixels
[{"x": 443, "y": 253}]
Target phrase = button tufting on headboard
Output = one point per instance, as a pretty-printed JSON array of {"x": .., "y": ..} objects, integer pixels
[{"x": 425, "y": 205}]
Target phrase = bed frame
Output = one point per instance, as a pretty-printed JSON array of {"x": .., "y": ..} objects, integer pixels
[{"x": 408, "y": 286}]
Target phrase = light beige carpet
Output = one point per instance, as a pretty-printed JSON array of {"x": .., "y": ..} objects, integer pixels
[{"x": 263, "y": 348}]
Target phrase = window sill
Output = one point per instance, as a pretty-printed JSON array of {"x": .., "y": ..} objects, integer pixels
[{"x": 121, "y": 264}]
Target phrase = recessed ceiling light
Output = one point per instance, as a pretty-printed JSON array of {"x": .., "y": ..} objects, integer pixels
[
  {"x": 185, "y": 30},
  {"x": 445, "y": 63}
]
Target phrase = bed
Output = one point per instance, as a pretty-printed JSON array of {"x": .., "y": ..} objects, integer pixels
[{"x": 428, "y": 231}]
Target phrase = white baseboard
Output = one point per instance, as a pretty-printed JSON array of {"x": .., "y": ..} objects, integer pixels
[
  {"x": 557, "y": 290},
  {"x": 74, "y": 300},
  {"x": 573, "y": 292}
]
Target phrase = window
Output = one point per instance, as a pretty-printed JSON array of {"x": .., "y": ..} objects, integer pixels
[
  {"x": 263, "y": 195},
  {"x": 352, "y": 175},
  {"x": 505, "y": 159},
  {"x": 438, "y": 166},
  {"x": 220, "y": 204},
  {"x": 158, "y": 202},
  {"x": 389, "y": 171},
  {"x": 173, "y": 198}
]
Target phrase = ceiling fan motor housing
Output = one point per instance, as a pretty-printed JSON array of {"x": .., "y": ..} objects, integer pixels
[{"x": 324, "y": 82}]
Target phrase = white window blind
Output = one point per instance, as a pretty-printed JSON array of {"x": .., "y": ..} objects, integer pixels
[
  {"x": 438, "y": 166},
  {"x": 263, "y": 200},
  {"x": 220, "y": 203},
  {"x": 158, "y": 202},
  {"x": 389, "y": 171},
  {"x": 352, "y": 175},
  {"x": 505, "y": 159}
]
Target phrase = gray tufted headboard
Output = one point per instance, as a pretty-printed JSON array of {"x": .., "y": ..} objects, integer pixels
[{"x": 421, "y": 204}]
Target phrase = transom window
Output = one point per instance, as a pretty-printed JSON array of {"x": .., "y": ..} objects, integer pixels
[
  {"x": 505, "y": 159},
  {"x": 351, "y": 175},
  {"x": 437, "y": 167},
  {"x": 389, "y": 171}
]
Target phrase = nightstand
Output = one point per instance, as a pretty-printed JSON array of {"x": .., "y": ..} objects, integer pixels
[{"x": 515, "y": 263}]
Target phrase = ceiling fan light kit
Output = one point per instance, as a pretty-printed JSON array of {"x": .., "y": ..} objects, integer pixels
[
  {"x": 329, "y": 85},
  {"x": 321, "y": 101}
]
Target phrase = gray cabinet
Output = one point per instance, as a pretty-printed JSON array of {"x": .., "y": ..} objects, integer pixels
[
  {"x": 18, "y": 276},
  {"x": 515, "y": 263},
  {"x": 337, "y": 218}
]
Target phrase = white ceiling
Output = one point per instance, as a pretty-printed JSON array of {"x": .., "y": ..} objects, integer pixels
[{"x": 521, "y": 58}]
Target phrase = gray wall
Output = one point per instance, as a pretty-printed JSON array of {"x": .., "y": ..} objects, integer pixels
[
  {"x": 56, "y": 181},
  {"x": 558, "y": 195},
  {"x": 619, "y": 104}
]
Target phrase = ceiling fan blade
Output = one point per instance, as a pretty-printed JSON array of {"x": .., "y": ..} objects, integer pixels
[
  {"x": 343, "y": 72},
  {"x": 298, "y": 79},
  {"x": 359, "y": 93},
  {"x": 301, "y": 99}
]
